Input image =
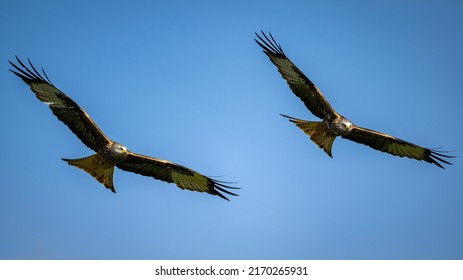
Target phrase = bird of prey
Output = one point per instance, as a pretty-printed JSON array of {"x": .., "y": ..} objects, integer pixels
[
  {"x": 333, "y": 124},
  {"x": 110, "y": 153}
]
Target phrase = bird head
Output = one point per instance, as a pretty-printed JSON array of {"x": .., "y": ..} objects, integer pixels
[
  {"x": 348, "y": 124},
  {"x": 118, "y": 148},
  {"x": 344, "y": 126}
]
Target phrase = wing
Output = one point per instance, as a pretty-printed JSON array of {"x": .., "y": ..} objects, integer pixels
[
  {"x": 395, "y": 146},
  {"x": 301, "y": 86},
  {"x": 67, "y": 111},
  {"x": 170, "y": 172}
]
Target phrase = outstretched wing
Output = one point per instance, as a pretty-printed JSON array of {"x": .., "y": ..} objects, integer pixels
[
  {"x": 170, "y": 172},
  {"x": 66, "y": 109},
  {"x": 395, "y": 146},
  {"x": 301, "y": 86}
]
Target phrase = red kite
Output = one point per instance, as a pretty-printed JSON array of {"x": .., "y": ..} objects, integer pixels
[
  {"x": 110, "y": 153},
  {"x": 333, "y": 124}
]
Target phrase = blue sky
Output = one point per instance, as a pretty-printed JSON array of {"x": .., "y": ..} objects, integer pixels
[{"x": 185, "y": 81}]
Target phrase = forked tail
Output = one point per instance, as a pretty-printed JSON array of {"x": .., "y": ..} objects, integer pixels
[
  {"x": 96, "y": 167},
  {"x": 317, "y": 131}
]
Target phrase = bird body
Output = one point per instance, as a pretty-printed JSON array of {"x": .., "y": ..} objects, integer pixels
[
  {"x": 325, "y": 132},
  {"x": 101, "y": 165}
]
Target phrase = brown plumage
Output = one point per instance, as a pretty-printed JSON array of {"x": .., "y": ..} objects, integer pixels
[
  {"x": 333, "y": 124},
  {"x": 109, "y": 153}
]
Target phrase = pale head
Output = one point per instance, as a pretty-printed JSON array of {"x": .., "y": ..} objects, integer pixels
[
  {"x": 118, "y": 148},
  {"x": 347, "y": 124},
  {"x": 341, "y": 126},
  {"x": 114, "y": 153}
]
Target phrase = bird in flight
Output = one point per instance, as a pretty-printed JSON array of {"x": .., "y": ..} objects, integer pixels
[
  {"x": 110, "y": 153},
  {"x": 333, "y": 124}
]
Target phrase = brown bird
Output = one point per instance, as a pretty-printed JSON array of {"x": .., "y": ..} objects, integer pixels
[
  {"x": 110, "y": 153},
  {"x": 333, "y": 124}
]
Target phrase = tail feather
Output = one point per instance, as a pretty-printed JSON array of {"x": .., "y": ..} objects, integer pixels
[
  {"x": 96, "y": 167},
  {"x": 317, "y": 131}
]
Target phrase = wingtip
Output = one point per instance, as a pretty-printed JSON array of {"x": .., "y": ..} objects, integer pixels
[
  {"x": 28, "y": 75},
  {"x": 220, "y": 186},
  {"x": 222, "y": 196},
  {"x": 437, "y": 157},
  {"x": 269, "y": 44}
]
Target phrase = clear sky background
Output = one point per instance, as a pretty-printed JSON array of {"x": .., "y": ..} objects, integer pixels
[{"x": 184, "y": 81}]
